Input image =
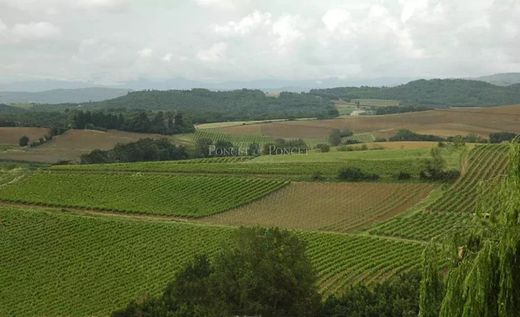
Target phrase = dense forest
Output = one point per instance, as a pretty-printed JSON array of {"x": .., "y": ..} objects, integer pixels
[
  {"x": 203, "y": 105},
  {"x": 160, "y": 122},
  {"x": 435, "y": 92}
]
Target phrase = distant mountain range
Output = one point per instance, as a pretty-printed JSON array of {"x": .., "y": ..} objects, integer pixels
[
  {"x": 57, "y": 96},
  {"x": 504, "y": 79}
]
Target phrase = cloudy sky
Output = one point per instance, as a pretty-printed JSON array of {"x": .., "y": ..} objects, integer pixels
[{"x": 111, "y": 41}]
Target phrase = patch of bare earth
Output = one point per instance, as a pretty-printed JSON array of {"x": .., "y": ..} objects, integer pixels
[
  {"x": 11, "y": 135},
  {"x": 72, "y": 144}
]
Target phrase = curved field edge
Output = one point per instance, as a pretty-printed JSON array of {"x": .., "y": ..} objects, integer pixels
[
  {"x": 179, "y": 196},
  {"x": 450, "y": 210},
  {"x": 57, "y": 264}
]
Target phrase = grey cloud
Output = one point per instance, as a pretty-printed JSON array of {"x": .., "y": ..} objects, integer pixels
[{"x": 109, "y": 41}]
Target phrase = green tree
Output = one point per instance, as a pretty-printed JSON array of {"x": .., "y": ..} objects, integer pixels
[
  {"x": 24, "y": 141},
  {"x": 261, "y": 272},
  {"x": 335, "y": 137},
  {"x": 265, "y": 272},
  {"x": 484, "y": 275}
]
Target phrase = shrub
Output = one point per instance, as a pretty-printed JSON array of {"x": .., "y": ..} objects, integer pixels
[
  {"x": 24, "y": 141},
  {"x": 355, "y": 174},
  {"x": 323, "y": 148},
  {"x": 403, "y": 176}
]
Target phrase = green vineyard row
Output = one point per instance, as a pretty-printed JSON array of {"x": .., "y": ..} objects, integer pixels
[
  {"x": 251, "y": 167},
  {"x": 74, "y": 265},
  {"x": 191, "y": 196},
  {"x": 423, "y": 225},
  {"x": 485, "y": 163}
]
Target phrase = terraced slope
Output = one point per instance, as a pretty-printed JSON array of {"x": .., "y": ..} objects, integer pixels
[
  {"x": 59, "y": 264},
  {"x": 339, "y": 207},
  {"x": 485, "y": 163},
  {"x": 191, "y": 196}
]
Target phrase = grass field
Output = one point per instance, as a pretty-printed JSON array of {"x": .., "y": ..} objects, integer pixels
[
  {"x": 191, "y": 196},
  {"x": 449, "y": 122},
  {"x": 80, "y": 265},
  {"x": 72, "y": 144},
  {"x": 331, "y": 207}
]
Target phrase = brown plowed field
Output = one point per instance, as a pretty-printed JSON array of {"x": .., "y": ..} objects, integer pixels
[{"x": 448, "y": 122}]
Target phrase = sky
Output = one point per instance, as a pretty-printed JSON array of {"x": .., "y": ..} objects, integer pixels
[{"x": 112, "y": 41}]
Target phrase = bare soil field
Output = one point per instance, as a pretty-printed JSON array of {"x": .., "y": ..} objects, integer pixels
[
  {"x": 337, "y": 207},
  {"x": 11, "y": 135},
  {"x": 444, "y": 122},
  {"x": 72, "y": 144}
]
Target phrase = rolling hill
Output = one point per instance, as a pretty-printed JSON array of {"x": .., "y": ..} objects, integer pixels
[
  {"x": 502, "y": 79},
  {"x": 434, "y": 92}
]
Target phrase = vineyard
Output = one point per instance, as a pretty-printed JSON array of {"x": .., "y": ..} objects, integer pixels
[
  {"x": 237, "y": 140},
  {"x": 191, "y": 196},
  {"x": 330, "y": 207},
  {"x": 485, "y": 163},
  {"x": 423, "y": 225},
  {"x": 71, "y": 262},
  {"x": 293, "y": 170}
]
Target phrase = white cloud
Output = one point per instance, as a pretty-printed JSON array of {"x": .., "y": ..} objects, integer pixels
[
  {"x": 219, "y": 4},
  {"x": 244, "y": 39},
  {"x": 103, "y": 4},
  {"x": 337, "y": 20},
  {"x": 3, "y": 27},
  {"x": 167, "y": 57},
  {"x": 145, "y": 52},
  {"x": 245, "y": 25},
  {"x": 213, "y": 54},
  {"x": 35, "y": 31},
  {"x": 287, "y": 30}
]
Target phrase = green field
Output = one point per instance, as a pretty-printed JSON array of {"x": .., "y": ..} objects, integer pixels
[
  {"x": 191, "y": 196},
  {"x": 79, "y": 265}
]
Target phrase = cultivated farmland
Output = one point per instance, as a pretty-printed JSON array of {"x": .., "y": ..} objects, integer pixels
[
  {"x": 449, "y": 122},
  {"x": 191, "y": 196},
  {"x": 72, "y": 144},
  {"x": 11, "y": 135},
  {"x": 71, "y": 262},
  {"x": 330, "y": 207},
  {"x": 485, "y": 163}
]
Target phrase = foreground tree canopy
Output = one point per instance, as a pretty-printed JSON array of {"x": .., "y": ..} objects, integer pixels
[{"x": 263, "y": 272}]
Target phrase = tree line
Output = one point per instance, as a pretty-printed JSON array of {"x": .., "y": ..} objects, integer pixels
[
  {"x": 142, "y": 150},
  {"x": 159, "y": 122}
]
